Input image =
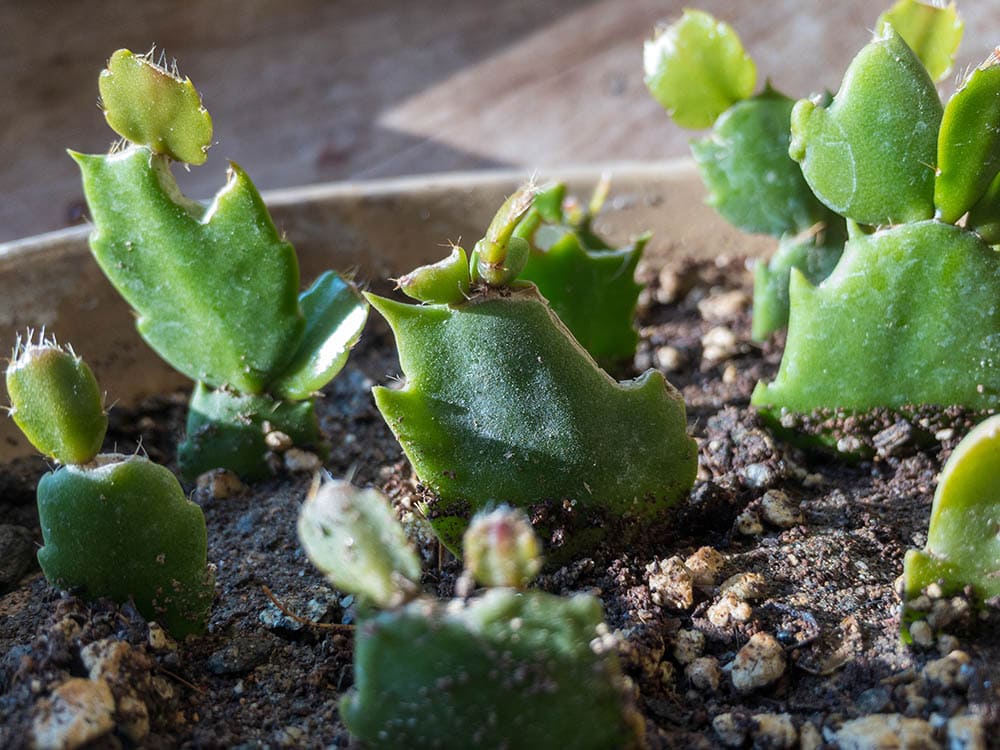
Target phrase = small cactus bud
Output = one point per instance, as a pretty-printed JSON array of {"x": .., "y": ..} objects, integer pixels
[
  {"x": 152, "y": 106},
  {"x": 56, "y": 402},
  {"x": 443, "y": 283},
  {"x": 499, "y": 257},
  {"x": 353, "y": 536},
  {"x": 501, "y": 548}
]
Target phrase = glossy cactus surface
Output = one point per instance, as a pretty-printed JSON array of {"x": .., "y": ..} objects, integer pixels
[{"x": 963, "y": 546}]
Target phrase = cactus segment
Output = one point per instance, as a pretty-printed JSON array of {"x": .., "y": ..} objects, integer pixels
[
  {"x": 499, "y": 257},
  {"x": 335, "y": 314},
  {"x": 446, "y": 282},
  {"x": 814, "y": 252},
  {"x": 869, "y": 155},
  {"x": 932, "y": 30},
  {"x": 151, "y": 106},
  {"x": 501, "y": 404},
  {"x": 984, "y": 217},
  {"x": 124, "y": 529},
  {"x": 501, "y": 548},
  {"x": 590, "y": 286},
  {"x": 963, "y": 543},
  {"x": 353, "y": 537},
  {"x": 216, "y": 288},
  {"x": 508, "y": 669},
  {"x": 696, "y": 68},
  {"x": 228, "y": 429},
  {"x": 899, "y": 322},
  {"x": 751, "y": 180},
  {"x": 56, "y": 402},
  {"x": 969, "y": 143}
]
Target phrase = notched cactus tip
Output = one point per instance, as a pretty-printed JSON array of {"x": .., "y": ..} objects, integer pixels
[{"x": 151, "y": 105}]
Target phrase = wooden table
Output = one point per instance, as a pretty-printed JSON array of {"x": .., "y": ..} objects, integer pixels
[{"x": 306, "y": 91}]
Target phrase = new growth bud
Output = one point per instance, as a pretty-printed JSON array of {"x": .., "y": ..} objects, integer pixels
[
  {"x": 501, "y": 548},
  {"x": 56, "y": 401}
]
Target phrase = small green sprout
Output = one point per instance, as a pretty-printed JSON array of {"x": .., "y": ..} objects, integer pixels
[
  {"x": 963, "y": 542},
  {"x": 589, "y": 284},
  {"x": 113, "y": 525},
  {"x": 505, "y": 668},
  {"x": 502, "y": 405},
  {"x": 906, "y": 318},
  {"x": 501, "y": 548},
  {"x": 216, "y": 288}
]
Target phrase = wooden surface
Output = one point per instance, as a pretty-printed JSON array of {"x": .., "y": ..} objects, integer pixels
[{"x": 306, "y": 91}]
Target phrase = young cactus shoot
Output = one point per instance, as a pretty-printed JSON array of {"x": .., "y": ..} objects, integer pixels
[
  {"x": 506, "y": 668},
  {"x": 215, "y": 287},
  {"x": 698, "y": 70},
  {"x": 502, "y": 405},
  {"x": 963, "y": 543},
  {"x": 115, "y": 526}
]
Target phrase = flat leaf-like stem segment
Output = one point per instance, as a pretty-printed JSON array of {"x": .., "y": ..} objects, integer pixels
[
  {"x": 870, "y": 155},
  {"x": 590, "y": 286},
  {"x": 151, "y": 106},
  {"x": 697, "y": 68},
  {"x": 906, "y": 318},
  {"x": 123, "y": 528},
  {"x": 969, "y": 142},
  {"x": 226, "y": 430},
  {"x": 751, "y": 179},
  {"x": 501, "y": 404},
  {"x": 55, "y": 400},
  {"x": 216, "y": 288},
  {"x": 963, "y": 541},
  {"x": 436, "y": 675},
  {"x": 932, "y": 30}
]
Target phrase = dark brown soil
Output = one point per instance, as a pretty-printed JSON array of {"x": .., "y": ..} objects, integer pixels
[{"x": 260, "y": 678}]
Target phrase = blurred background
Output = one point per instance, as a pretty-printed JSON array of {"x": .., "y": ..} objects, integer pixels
[{"x": 306, "y": 91}]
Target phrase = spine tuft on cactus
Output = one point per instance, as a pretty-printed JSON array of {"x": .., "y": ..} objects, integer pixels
[
  {"x": 506, "y": 668},
  {"x": 216, "y": 288},
  {"x": 502, "y": 405},
  {"x": 963, "y": 542},
  {"x": 113, "y": 525}
]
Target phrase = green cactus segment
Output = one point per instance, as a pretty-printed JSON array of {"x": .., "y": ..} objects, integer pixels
[
  {"x": 506, "y": 670},
  {"x": 814, "y": 253},
  {"x": 901, "y": 321},
  {"x": 151, "y": 106},
  {"x": 750, "y": 178},
  {"x": 446, "y": 282},
  {"x": 501, "y": 404},
  {"x": 969, "y": 143},
  {"x": 963, "y": 543},
  {"x": 932, "y": 31},
  {"x": 227, "y": 430},
  {"x": 697, "y": 68},
  {"x": 984, "y": 217},
  {"x": 869, "y": 156},
  {"x": 335, "y": 314},
  {"x": 56, "y": 402},
  {"x": 354, "y": 538},
  {"x": 593, "y": 291},
  {"x": 125, "y": 530},
  {"x": 198, "y": 277}
]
